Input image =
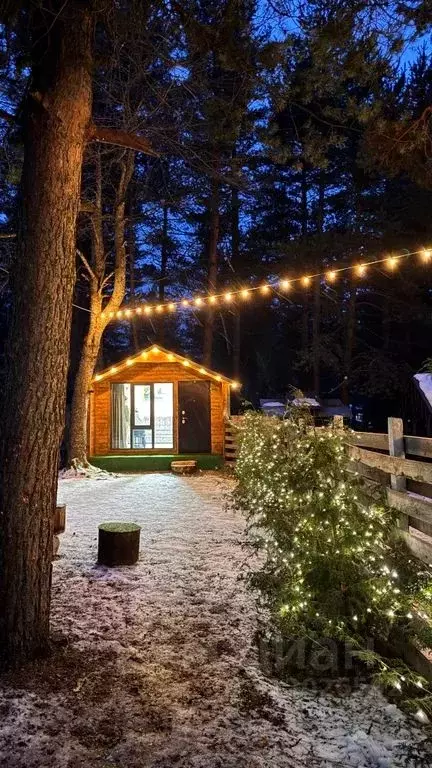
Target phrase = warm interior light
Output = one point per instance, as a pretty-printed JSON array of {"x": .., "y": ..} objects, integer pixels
[
  {"x": 331, "y": 276},
  {"x": 426, "y": 254},
  {"x": 155, "y": 349},
  {"x": 170, "y": 356},
  {"x": 285, "y": 285},
  {"x": 198, "y": 302},
  {"x": 306, "y": 281},
  {"x": 391, "y": 263},
  {"x": 144, "y": 354},
  {"x": 360, "y": 270},
  {"x": 218, "y": 378},
  {"x": 265, "y": 288},
  {"x": 228, "y": 296},
  {"x": 245, "y": 294}
]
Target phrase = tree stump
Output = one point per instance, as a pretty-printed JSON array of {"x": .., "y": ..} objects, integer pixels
[
  {"x": 60, "y": 519},
  {"x": 118, "y": 543}
]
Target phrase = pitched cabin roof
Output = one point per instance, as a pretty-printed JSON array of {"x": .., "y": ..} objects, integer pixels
[{"x": 157, "y": 354}]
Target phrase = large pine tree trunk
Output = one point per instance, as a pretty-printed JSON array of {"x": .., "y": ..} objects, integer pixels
[
  {"x": 212, "y": 262},
  {"x": 57, "y": 114}
]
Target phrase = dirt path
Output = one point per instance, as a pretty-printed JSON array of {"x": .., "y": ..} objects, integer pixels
[{"x": 159, "y": 668}]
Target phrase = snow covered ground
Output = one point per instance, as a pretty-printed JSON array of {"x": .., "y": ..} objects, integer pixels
[{"x": 157, "y": 665}]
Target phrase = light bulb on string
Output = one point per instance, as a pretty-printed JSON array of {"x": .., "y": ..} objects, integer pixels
[
  {"x": 198, "y": 302},
  {"x": 185, "y": 303},
  {"x": 265, "y": 288},
  {"x": 360, "y": 270},
  {"x": 391, "y": 263},
  {"x": 228, "y": 296},
  {"x": 331, "y": 276},
  {"x": 212, "y": 299},
  {"x": 306, "y": 281},
  {"x": 245, "y": 294},
  {"x": 285, "y": 285},
  {"x": 426, "y": 255}
]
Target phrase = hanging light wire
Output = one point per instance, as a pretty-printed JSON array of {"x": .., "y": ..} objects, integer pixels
[{"x": 282, "y": 285}]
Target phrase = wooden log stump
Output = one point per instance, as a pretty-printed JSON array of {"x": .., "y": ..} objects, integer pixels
[
  {"x": 118, "y": 543},
  {"x": 60, "y": 519},
  {"x": 183, "y": 467}
]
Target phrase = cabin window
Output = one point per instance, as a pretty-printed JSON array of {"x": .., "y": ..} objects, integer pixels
[{"x": 142, "y": 416}]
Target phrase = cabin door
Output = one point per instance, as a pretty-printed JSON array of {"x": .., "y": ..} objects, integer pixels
[{"x": 194, "y": 416}]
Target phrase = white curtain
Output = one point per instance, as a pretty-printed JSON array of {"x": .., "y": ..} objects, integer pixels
[{"x": 120, "y": 416}]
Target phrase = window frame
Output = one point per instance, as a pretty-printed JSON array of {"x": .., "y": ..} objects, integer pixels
[{"x": 133, "y": 426}]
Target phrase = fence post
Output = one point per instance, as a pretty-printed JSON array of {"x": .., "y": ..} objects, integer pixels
[{"x": 397, "y": 448}]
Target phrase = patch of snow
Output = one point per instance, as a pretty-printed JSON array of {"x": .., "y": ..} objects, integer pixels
[{"x": 159, "y": 667}]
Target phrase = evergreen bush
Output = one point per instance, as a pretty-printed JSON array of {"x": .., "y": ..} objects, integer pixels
[{"x": 332, "y": 565}]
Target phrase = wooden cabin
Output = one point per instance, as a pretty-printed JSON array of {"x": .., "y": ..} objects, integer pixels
[{"x": 154, "y": 407}]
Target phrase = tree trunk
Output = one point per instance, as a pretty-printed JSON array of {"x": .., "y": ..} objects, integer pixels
[
  {"x": 349, "y": 344},
  {"x": 235, "y": 254},
  {"x": 56, "y": 114},
  {"x": 212, "y": 261},
  {"x": 316, "y": 341},
  {"x": 77, "y": 448}
]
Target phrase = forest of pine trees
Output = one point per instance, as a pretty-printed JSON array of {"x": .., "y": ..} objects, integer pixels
[{"x": 278, "y": 144}]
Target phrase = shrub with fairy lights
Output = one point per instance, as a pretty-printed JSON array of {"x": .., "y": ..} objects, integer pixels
[{"x": 333, "y": 566}]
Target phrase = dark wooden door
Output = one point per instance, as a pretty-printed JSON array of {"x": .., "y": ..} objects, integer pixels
[{"x": 194, "y": 416}]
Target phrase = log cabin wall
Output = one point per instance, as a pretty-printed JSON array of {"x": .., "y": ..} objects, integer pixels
[{"x": 150, "y": 373}]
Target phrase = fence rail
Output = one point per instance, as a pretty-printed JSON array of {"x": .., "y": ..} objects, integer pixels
[{"x": 402, "y": 464}]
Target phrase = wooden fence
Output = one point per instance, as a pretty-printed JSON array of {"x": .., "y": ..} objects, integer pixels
[{"x": 402, "y": 464}]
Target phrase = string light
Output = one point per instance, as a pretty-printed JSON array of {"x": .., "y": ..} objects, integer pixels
[
  {"x": 359, "y": 270},
  {"x": 391, "y": 263}
]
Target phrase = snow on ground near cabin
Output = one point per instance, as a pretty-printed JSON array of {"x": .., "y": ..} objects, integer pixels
[{"x": 160, "y": 669}]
